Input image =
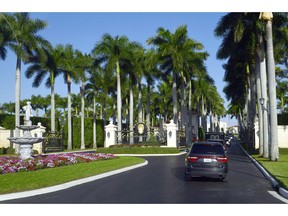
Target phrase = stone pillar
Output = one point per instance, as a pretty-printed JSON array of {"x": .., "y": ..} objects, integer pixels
[
  {"x": 171, "y": 134},
  {"x": 110, "y": 134}
]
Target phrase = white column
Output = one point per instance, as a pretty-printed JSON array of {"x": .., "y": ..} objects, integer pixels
[
  {"x": 171, "y": 134},
  {"x": 110, "y": 134}
]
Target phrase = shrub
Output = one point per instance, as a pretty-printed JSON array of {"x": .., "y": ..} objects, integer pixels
[{"x": 8, "y": 150}]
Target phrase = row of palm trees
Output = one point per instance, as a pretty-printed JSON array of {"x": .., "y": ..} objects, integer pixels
[
  {"x": 174, "y": 60},
  {"x": 249, "y": 48}
]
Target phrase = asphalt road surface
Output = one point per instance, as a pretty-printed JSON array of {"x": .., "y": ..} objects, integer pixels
[{"x": 162, "y": 182}]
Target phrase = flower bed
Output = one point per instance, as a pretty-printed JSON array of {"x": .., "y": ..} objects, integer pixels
[{"x": 15, "y": 164}]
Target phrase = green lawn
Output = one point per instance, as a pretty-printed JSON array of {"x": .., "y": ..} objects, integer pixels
[
  {"x": 138, "y": 150},
  {"x": 278, "y": 169},
  {"x": 23, "y": 181}
]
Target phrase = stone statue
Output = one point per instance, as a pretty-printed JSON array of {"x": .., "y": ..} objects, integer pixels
[{"x": 28, "y": 111}]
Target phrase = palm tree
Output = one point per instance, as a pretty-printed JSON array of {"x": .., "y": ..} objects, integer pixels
[
  {"x": 75, "y": 104},
  {"x": 151, "y": 72},
  {"x": 267, "y": 17},
  {"x": 24, "y": 40},
  {"x": 69, "y": 74},
  {"x": 93, "y": 88},
  {"x": 243, "y": 35},
  {"x": 37, "y": 102},
  {"x": 4, "y": 36},
  {"x": 83, "y": 63},
  {"x": 112, "y": 51},
  {"x": 173, "y": 50},
  {"x": 46, "y": 63}
]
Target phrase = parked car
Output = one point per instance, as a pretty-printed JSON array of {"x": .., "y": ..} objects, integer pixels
[{"x": 206, "y": 159}]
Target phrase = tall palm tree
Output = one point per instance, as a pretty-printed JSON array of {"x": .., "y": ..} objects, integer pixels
[
  {"x": 112, "y": 51},
  {"x": 243, "y": 34},
  {"x": 25, "y": 39},
  {"x": 69, "y": 74},
  {"x": 93, "y": 88},
  {"x": 151, "y": 72},
  {"x": 170, "y": 48},
  {"x": 83, "y": 63},
  {"x": 46, "y": 63},
  {"x": 267, "y": 17}
]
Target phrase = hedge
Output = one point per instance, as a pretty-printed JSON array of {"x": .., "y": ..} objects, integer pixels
[
  {"x": 88, "y": 133},
  {"x": 282, "y": 119},
  {"x": 8, "y": 122}
]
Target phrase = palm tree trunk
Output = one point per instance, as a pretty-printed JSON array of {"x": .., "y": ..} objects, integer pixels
[
  {"x": 131, "y": 115},
  {"x": 263, "y": 78},
  {"x": 140, "y": 110},
  {"x": 253, "y": 106},
  {"x": 94, "y": 122},
  {"x": 260, "y": 111},
  {"x": 52, "y": 106},
  {"x": 148, "y": 112},
  {"x": 119, "y": 102},
  {"x": 175, "y": 101},
  {"x": 272, "y": 94},
  {"x": 189, "y": 126},
  {"x": 183, "y": 104},
  {"x": 17, "y": 101},
  {"x": 82, "y": 116},
  {"x": 69, "y": 120}
]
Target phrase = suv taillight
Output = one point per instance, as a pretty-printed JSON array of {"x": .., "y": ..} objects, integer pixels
[
  {"x": 222, "y": 159},
  {"x": 192, "y": 159}
]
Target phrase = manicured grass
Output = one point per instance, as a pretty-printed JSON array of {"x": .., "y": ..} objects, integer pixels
[
  {"x": 23, "y": 181},
  {"x": 139, "y": 150},
  {"x": 278, "y": 169}
]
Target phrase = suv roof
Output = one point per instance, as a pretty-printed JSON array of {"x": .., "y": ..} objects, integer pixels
[{"x": 210, "y": 148}]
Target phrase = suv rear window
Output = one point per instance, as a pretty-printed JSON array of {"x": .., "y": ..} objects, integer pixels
[{"x": 207, "y": 149}]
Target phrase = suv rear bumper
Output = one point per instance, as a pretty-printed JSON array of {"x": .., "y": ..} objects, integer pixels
[{"x": 204, "y": 172}]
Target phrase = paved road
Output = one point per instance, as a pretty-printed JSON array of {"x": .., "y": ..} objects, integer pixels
[{"x": 162, "y": 181}]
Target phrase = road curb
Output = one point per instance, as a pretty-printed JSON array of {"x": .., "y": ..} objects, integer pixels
[
  {"x": 66, "y": 185},
  {"x": 283, "y": 192}
]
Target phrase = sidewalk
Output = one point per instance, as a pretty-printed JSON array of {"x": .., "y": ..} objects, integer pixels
[{"x": 282, "y": 191}]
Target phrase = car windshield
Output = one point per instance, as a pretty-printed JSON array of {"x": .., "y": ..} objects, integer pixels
[{"x": 207, "y": 149}]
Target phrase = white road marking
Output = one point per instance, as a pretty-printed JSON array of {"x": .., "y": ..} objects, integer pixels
[{"x": 276, "y": 195}]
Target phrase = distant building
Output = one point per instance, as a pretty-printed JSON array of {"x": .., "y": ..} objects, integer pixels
[{"x": 233, "y": 129}]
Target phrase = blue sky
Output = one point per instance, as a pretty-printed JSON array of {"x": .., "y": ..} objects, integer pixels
[{"x": 84, "y": 30}]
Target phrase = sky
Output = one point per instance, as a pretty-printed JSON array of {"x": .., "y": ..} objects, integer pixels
[{"x": 70, "y": 25}]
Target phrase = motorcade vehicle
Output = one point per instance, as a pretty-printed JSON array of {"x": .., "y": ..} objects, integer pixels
[
  {"x": 223, "y": 142},
  {"x": 206, "y": 159}
]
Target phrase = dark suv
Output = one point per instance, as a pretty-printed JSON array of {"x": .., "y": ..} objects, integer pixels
[{"x": 206, "y": 159}]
